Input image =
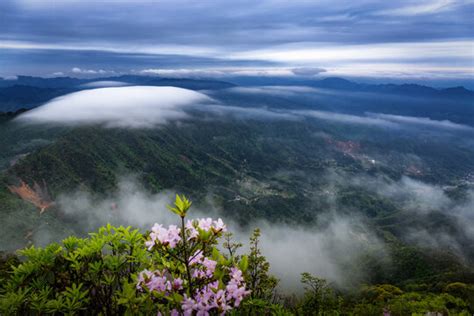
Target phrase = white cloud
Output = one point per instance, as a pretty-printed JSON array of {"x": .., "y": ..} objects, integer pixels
[
  {"x": 343, "y": 67},
  {"x": 114, "y": 48},
  {"x": 402, "y": 70},
  {"x": 134, "y": 107},
  {"x": 104, "y": 84},
  {"x": 428, "y": 7},
  {"x": 310, "y": 52},
  {"x": 424, "y": 199},
  {"x": 307, "y": 71},
  {"x": 379, "y": 59},
  {"x": 411, "y": 193},
  {"x": 326, "y": 250},
  {"x": 345, "y": 118},
  {"x": 421, "y": 121},
  {"x": 275, "y": 90},
  {"x": 383, "y": 120},
  {"x": 183, "y": 72},
  {"x": 264, "y": 72},
  {"x": 251, "y": 113},
  {"x": 81, "y": 71},
  {"x": 227, "y": 72}
]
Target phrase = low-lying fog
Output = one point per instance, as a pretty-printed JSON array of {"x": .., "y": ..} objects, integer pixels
[{"x": 330, "y": 250}]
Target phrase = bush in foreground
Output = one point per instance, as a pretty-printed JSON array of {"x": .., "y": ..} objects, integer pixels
[
  {"x": 180, "y": 270},
  {"x": 170, "y": 271}
]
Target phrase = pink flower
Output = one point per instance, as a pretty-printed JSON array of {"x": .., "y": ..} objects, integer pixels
[
  {"x": 236, "y": 293},
  {"x": 218, "y": 226},
  {"x": 214, "y": 285},
  {"x": 191, "y": 230},
  {"x": 157, "y": 283},
  {"x": 188, "y": 305},
  {"x": 236, "y": 275},
  {"x": 174, "y": 312},
  {"x": 177, "y": 284},
  {"x": 196, "y": 258},
  {"x": 205, "y": 223},
  {"x": 198, "y": 274},
  {"x": 156, "y": 227},
  {"x": 219, "y": 301},
  {"x": 235, "y": 288},
  {"x": 203, "y": 304},
  {"x": 166, "y": 237},
  {"x": 149, "y": 244},
  {"x": 173, "y": 235},
  {"x": 158, "y": 233},
  {"x": 143, "y": 277},
  {"x": 210, "y": 266}
]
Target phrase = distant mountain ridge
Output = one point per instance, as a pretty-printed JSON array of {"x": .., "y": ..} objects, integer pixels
[
  {"x": 329, "y": 83},
  {"x": 70, "y": 82},
  {"x": 27, "y": 92},
  {"x": 405, "y": 89},
  {"x": 16, "y": 97}
]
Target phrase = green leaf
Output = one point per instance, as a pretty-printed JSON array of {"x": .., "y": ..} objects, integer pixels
[
  {"x": 243, "y": 264},
  {"x": 181, "y": 205}
]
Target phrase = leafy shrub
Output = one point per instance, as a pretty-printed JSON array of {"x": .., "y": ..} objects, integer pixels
[
  {"x": 120, "y": 271},
  {"x": 261, "y": 284},
  {"x": 179, "y": 270},
  {"x": 420, "y": 304},
  {"x": 79, "y": 274},
  {"x": 386, "y": 297},
  {"x": 319, "y": 298}
]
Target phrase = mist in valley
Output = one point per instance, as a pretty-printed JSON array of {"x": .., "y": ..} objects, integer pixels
[{"x": 341, "y": 236}]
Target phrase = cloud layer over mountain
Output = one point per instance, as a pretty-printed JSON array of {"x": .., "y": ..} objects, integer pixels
[
  {"x": 134, "y": 107},
  {"x": 118, "y": 105}
]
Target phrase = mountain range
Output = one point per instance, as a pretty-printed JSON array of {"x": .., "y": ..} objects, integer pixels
[{"x": 27, "y": 91}]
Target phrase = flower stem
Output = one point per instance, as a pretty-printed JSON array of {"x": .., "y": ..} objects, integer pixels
[{"x": 186, "y": 256}]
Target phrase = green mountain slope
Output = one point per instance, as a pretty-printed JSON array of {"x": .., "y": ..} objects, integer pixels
[{"x": 280, "y": 171}]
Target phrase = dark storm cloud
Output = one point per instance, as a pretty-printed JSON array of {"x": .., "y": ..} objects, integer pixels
[{"x": 231, "y": 32}]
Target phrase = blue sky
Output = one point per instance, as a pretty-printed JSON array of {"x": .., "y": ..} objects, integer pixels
[{"x": 399, "y": 40}]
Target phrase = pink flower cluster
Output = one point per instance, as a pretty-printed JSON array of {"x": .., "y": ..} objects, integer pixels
[
  {"x": 204, "y": 267},
  {"x": 236, "y": 287},
  {"x": 208, "y": 295},
  {"x": 166, "y": 237},
  {"x": 159, "y": 281},
  {"x": 204, "y": 224},
  {"x": 211, "y": 298},
  {"x": 172, "y": 236},
  {"x": 205, "y": 299}
]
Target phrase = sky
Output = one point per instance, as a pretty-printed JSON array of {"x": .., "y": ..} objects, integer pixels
[{"x": 424, "y": 40}]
